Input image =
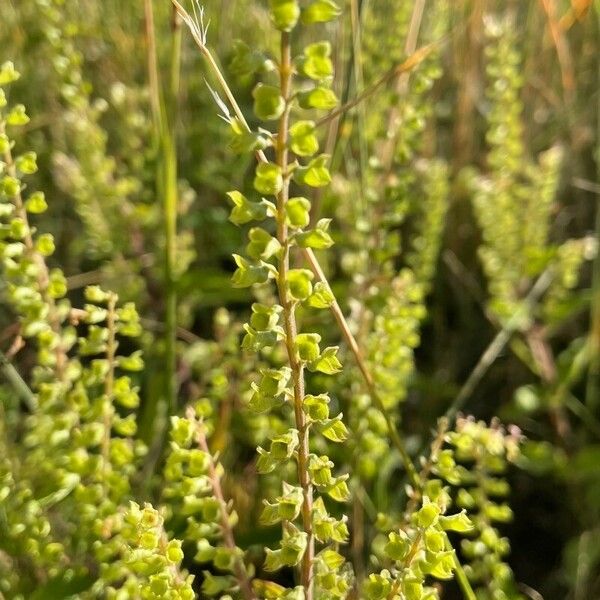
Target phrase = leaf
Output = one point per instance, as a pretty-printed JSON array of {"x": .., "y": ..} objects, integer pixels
[
  {"x": 245, "y": 211},
  {"x": 303, "y": 140},
  {"x": 321, "y": 296},
  {"x": 315, "y": 174},
  {"x": 297, "y": 211},
  {"x": 269, "y": 179},
  {"x": 335, "y": 430},
  {"x": 320, "y": 11},
  {"x": 320, "y": 97},
  {"x": 327, "y": 363},
  {"x": 316, "y": 63},
  {"x": 262, "y": 244},
  {"x": 284, "y": 13},
  {"x": 317, "y": 238},
  {"x": 299, "y": 283},
  {"x": 268, "y": 102}
]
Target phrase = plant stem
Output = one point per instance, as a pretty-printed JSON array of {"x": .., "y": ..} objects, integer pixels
[
  {"x": 461, "y": 576},
  {"x": 107, "y": 407},
  {"x": 167, "y": 187},
  {"x": 592, "y": 392},
  {"x": 289, "y": 319}
]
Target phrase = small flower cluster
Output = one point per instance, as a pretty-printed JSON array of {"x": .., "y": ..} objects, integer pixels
[
  {"x": 149, "y": 563},
  {"x": 475, "y": 462},
  {"x": 197, "y": 508},
  {"x": 80, "y": 448},
  {"x": 420, "y": 550},
  {"x": 514, "y": 203}
]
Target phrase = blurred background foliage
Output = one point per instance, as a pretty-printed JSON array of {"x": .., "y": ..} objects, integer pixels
[{"x": 477, "y": 178}]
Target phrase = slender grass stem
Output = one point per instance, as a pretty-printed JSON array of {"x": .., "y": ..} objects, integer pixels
[
  {"x": 13, "y": 377},
  {"x": 165, "y": 125}
]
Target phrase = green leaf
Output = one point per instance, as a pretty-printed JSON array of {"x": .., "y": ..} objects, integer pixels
[
  {"x": 317, "y": 238},
  {"x": 307, "y": 345},
  {"x": 327, "y": 363},
  {"x": 269, "y": 179},
  {"x": 268, "y": 102},
  {"x": 320, "y": 11},
  {"x": 460, "y": 523},
  {"x": 17, "y": 116},
  {"x": 297, "y": 211},
  {"x": 299, "y": 283},
  {"x": 339, "y": 491},
  {"x": 284, "y": 13},
  {"x": 316, "y": 407},
  {"x": 321, "y": 98},
  {"x": 316, "y": 62},
  {"x": 36, "y": 203},
  {"x": 398, "y": 545},
  {"x": 332, "y": 560},
  {"x": 315, "y": 174},
  {"x": 262, "y": 244},
  {"x": 8, "y": 73},
  {"x": 335, "y": 430},
  {"x": 303, "y": 140},
  {"x": 248, "y": 274},
  {"x": 245, "y": 211},
  {"x": 321, "y": 296}
]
